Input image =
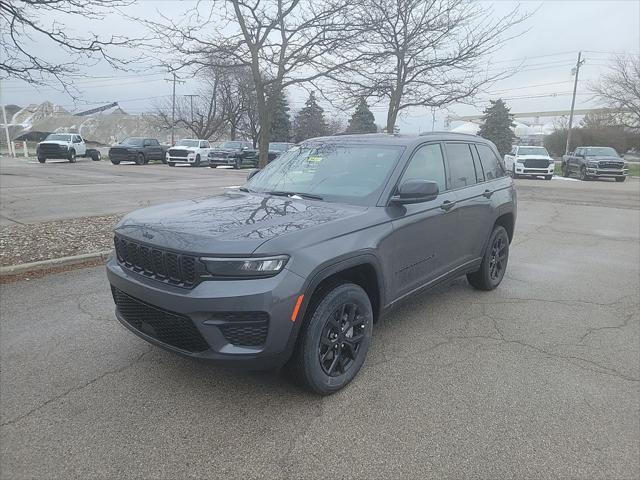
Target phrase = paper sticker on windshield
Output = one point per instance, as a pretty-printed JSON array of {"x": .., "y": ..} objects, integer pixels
[{"x": 314, "y": 159}]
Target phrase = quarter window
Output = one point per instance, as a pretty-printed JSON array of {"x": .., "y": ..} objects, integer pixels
[
  {"x": 463, "y": 172},
  {"x": 490, "y": 163},
  {"x": 427, "y": 163}
]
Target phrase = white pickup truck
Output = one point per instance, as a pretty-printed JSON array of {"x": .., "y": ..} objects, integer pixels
[
  {"x": 530, "y": 161},
  {"x": 190, "y": 151},
  {"x": 68, "y": 146}
]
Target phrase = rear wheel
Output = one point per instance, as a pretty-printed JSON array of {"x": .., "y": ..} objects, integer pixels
[
  {"x": 334, "y": 340},
  {"x": 494, "y": 262},
  {"x": 95, "y": 156},
  {"x": 115, "y": 162},
  {"x": 72, "y": 156},
  {"x": 42, "y": 159},
  {"x": 140, "y": 159},
  {"x": 620, "y": 179}
]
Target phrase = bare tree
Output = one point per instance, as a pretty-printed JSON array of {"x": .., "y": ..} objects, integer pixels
[
  {"x": 27, "y": 25},
  {"x": 202, "y": 115},
  {"x": 282, "y": 43},
  {"x": 238, "y": 100},
  {"x": 620, "y": 89},
  {"x": 423, "y": 52}
]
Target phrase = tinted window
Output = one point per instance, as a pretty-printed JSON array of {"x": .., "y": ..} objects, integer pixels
[
  {"x": 463, "y": 172},
  {"x": 153, "y": 141},
  {"x": 204, "y": 144},
  {"x": 490, "y": 163},
  {"x": 427, "y": 163}
]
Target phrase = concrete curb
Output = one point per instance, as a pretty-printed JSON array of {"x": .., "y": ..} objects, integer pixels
[{"x": 53, "y": 262}]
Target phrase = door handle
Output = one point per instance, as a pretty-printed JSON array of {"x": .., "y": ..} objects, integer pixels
[
  {"x": 447, "y": 205},
  {"x": 487, "y": 193}
]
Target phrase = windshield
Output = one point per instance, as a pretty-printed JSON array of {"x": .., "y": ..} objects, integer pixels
[
  {"x": 280, "y": 147},
  {"x": 345, "y": 173},
  {"x": 601, "y": 152},
  {"x": 134, "y": 142},
  {"x": 188, "y": 143},
  {"x": 533, "y": 151},
  {"x": 232, "y": 145},
  {"x": 59, "y": 136}
]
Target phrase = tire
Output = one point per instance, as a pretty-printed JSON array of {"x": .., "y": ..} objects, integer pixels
[
  {"x": 171, "y": 164},
  {"x": 237, "y": 164},
  {"x": 565, "y": 170},
  {"x": 494, "y": 262},
  {"x": 620, "y": 179},
  {"x": 321, "y": 361},
  {"x": 583, "y": 174},
  {"x": 140, "y": 159},
  {"x": 72, "y": 156},
  {"x": 548, "y": 177},
  {"x": 212, "y": 166},
  {"x": 42, "y": 159},
  {"x": 514, "y": 175},
  {"x": 95, "y": 156},
  {"x": 164, "y": 159},
  {"x": 115, "y": 162},
  {"x": 197, "y": 162}
]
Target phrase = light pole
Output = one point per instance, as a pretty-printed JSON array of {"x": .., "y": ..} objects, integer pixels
[{"x": 573, "y": 101}]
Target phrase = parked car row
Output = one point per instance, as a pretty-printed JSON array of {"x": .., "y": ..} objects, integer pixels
[{"x": 585, "y": 162}]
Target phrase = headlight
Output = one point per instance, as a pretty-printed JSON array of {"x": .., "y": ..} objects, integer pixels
[
  {"x": 245, "y": 267},
  {"x": 592, "y": 164}
]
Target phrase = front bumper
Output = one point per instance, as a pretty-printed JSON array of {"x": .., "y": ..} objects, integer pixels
[
  {"x": 215, "y": 306},
  {"x": 222, "y": 161},
  {"x": 611, "y": 173},
  {"x": 188, "y": 159},
  {"x": 123, "y": 157},
  {"x": 522, "y": 170}
]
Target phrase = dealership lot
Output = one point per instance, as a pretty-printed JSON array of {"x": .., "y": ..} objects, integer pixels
[{"x": 539, "y": 378}]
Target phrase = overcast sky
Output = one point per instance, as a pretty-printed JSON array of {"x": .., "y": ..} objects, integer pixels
[{"x": 547, "y": 52}]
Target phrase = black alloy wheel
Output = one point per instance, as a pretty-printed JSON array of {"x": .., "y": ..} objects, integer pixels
[
  {"x": 339, "y": 344},
  {"x": 494, "y": 261},
  {"x": 497, "y": 262}
]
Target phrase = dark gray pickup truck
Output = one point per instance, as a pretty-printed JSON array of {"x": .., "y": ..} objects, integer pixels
[
  {"x": 139, "y": 150},
  {"x": 595, "y": 162}
]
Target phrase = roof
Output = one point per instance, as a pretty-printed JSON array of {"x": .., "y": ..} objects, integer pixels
[{"x": 395, "y": 139}]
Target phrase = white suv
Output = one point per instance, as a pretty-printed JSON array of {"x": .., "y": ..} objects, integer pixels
[{"x": 529, "y": 160}]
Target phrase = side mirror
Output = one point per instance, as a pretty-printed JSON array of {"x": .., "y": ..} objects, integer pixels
[
  {"x": 415, "y": 191},
  {"x": 252, "y": 173}
]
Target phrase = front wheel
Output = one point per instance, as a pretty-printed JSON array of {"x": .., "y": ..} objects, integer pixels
[
  {"x": 42, "y": 159},
  {"x": 548, "y": 177},
  {"x": 172, "y": 164},
  {"x": 494, "y": 262},
  {"x": 620, "y": 179},
  {"x": 238, "y": 164},
  {"x": 583, "y": 174},
  {"x": 565, "y": 170},
  {"x": 72, "y": 156},
  {"x": 115, "y": 162},
  {"x": 140, "y": 159},
  {"x": 334, "y": 340},
  {"x": 197, "y": 162},
  {"x": 514, "y": 174}
]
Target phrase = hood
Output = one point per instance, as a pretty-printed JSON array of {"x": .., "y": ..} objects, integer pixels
[
  {"x": 180, "y": 147},
  {"x": 534, "y": 157},
  {"x": 233, "y": 223},
  {"x": 54, "y": 142}
]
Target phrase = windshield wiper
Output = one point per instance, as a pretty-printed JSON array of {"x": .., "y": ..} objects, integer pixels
[
  {"x": 282, "y": 193},
  {"x": 244, "y": 189}
]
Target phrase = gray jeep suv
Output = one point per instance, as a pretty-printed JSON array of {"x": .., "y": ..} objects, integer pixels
[{"x": 295, "y": 267}]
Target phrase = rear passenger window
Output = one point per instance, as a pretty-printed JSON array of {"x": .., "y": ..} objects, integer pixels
[
  {"x": 463, "y": 171},
  {"x": 490, "y": 162},
  {"x": 427, "y": 163}
]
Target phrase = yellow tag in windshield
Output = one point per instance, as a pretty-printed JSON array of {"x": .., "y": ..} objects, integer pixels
[{"x": 314, "y": 159}]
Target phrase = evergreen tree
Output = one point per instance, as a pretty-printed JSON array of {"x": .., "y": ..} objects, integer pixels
[
  {"x": 362, "y": 120},
  {"x": 279, "y": 119},
  {"x": 309, "y": 121},
  {"x": 497, "y": 124}
]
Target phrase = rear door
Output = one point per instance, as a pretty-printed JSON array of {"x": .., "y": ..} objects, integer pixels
[
  {"x": 472, "y": 197},
  {"x": 423, "y": 232}
]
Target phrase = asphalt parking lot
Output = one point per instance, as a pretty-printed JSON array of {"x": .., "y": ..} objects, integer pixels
[
  {"x": 537, "y": 379},
  {"x": 32, "y": 192}
]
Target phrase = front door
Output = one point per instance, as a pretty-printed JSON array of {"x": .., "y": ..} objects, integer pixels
[{"x": 422, "y": 232}]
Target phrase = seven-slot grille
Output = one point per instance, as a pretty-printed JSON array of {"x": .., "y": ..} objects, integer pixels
[
  {"x": 536, "y": 163},
  {"x": 166, "y": 327},
  {"x": 169, "y": 267},
  {"x": 610, "y": 164},
  {"x": 177, "y": 152}
]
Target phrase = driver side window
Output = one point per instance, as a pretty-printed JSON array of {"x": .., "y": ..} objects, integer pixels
[{"x": 427, "y": 163}]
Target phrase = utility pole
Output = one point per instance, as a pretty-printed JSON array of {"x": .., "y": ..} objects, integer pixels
[
  {"x": 173, "y": 104},
  {"x": 573, "y": 100},
  {"x": 191, "y": 98},
  {"x": 6, "y": 127}
]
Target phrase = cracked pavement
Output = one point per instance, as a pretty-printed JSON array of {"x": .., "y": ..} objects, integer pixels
[{"x": 538, "y": 379}]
